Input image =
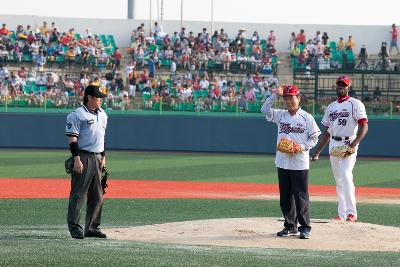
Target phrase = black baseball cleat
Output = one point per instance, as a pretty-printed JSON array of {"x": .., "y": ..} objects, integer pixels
[
  {"x": 97, "y": 234},
  {"x": 287, "y": 232},
  {"x": 78, "y": 236},
  {"x": 305, "y": 234}
]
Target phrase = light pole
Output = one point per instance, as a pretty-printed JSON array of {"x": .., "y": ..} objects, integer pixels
[
  {"x": 212, "y": 16},
  {"x": 181, "y": 14},
  {"x": 150, "y": 17}
]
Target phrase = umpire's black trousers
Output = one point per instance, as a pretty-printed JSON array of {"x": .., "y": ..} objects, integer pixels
[
  {"x": 86, "y": 185},
  {"x": 294, "y": 199}
]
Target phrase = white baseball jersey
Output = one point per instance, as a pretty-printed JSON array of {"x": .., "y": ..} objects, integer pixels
[
  {"x": 342, "y": 118},
  {"x": 301, "y": 128}
]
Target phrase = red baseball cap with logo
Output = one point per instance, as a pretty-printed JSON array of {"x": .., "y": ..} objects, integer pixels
[
  {"x": 343, "y": 80},
  {"x": 290, "y": 90}
]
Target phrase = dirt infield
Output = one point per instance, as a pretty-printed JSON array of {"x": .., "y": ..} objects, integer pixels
[
  {"x": 59, "y": 188},
  {"x": 261, "y": 233}
]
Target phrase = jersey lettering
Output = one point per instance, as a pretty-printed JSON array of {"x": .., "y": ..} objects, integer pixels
[
  {"x": 287, "y": 128},
  {"x": 342, "y": 114}
]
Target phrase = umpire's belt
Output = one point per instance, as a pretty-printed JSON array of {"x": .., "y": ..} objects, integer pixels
[
  {"x": 87, "y": 152},
  {"x": 338, "y": 138}
]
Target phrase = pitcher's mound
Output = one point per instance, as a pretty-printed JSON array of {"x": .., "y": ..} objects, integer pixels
[{"x": 261, "y": 233}]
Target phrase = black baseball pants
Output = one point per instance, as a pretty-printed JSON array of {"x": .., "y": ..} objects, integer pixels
[{"x": 294, "y": 198}]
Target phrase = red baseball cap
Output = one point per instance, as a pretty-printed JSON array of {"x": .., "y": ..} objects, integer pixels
[
  {"x": 343, "y": 80},
  {"x": 290, "y": 90}
]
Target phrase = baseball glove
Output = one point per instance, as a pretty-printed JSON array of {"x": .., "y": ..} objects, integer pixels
[
  {"x": 288, "y": 146},
  {"x": 104, "y": 177},
  {"x": 342, "y": 151},
  {"x": 69, "y": 165}
]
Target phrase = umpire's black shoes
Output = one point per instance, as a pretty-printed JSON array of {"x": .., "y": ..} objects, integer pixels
[
  {"x": 287, "y": 232},
  {"x": 78, "y": 235},
  {"x": 97, "y": 234},
  {"x": 305, "y": 234}
]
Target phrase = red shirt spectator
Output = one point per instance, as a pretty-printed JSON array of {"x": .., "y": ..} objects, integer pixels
[
  {"x": 117, "y": 55},
  {"x": 64, "y": 39},
  {"x": 301, "y": 37},
  {"x": 4, "y": 30}
]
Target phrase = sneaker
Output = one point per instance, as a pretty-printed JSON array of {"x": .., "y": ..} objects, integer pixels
[
  {"x": 351, "y": 218},
  {"x": 338, "y": 219},
  {"x": 78, "y": 235},
  {"x": 97, "y": 234},
  {"x": 287, "y": 232},
  {"x": 305, "y": 234}
]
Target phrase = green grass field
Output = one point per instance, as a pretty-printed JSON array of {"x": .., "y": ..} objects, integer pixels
[{"x": 33, "y": 231}]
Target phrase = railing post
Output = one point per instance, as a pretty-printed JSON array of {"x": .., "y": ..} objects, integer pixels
[
  {"x": 45, "y": 103},
  {"x": 161, "y": 103},
  {"x": 316, "y": 86},
  {"x": 362, "y": 86},
  {"x": 237, "y": 107},
  {"x": 313, "y": 108}
]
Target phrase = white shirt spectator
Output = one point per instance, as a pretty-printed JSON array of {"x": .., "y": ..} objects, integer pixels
[
  {"x": 204, "y": 84},
  {"x": 41, "y": 79},
  {"x": 87, "y": 34},
  {"x": 158, "y": 29},
  {"x": 84, "y": 82},
  {"x": 173, "y": 67}
]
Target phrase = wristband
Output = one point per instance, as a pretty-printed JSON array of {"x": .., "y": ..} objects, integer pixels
[{"x": 74, "y": 148}]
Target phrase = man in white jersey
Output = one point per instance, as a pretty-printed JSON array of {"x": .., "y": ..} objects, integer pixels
[
  {"x": 346, "y": 123},
  {"x": 296, "y": 125}
]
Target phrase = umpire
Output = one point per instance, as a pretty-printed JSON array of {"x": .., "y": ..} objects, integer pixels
[{"x": 85, "y": 129}]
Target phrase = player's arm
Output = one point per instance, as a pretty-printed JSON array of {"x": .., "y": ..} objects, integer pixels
[
  {"x": 361, "y": 132},
  {"x": 322, "y": 143},
  {"x": 74, "y": 147},
  {"x": 267, "y": 106}
]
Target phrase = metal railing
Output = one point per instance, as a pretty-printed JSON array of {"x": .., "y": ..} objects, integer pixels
[{"x": 176, "y": 106}]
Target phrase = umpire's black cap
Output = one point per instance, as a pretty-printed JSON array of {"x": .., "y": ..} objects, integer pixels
[{"x": 94, "y": 91}]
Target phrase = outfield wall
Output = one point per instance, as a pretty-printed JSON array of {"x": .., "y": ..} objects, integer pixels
[{"x": 178, "y": 133}]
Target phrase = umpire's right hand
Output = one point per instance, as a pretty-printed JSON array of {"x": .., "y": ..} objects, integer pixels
[{"x": 78, "y": 166}]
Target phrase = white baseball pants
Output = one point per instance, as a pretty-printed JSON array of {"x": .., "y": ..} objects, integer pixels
[{"x": 342, "y": 169}]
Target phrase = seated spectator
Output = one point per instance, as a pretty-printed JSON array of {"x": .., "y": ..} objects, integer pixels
[
  {"x": 31, "y": 38},
  {"x": 41, "y": 79},
  {"x": 87, "y": 34},
  {"x": 85, "y": 56},
  {"x": 40, "y": 61},
  {"x": 226, "y": 58},
  {"x": 325, "y": 38},
  {"x": 116, "y": 58},
  {"x": 271, "y": 38},
  {"x": 255, "y": 38},
  {"x": 301, "y": 37},
  {"x": 50, "y": 52},
  {"x": 20, "y": 33},
  {"x": 103, "y": 57},
  {"x": 250, "y": 95},
  {"x": 3, "y": 55},
  {"x": 70, "y": 56},
  {"x": 350, "y": 44},
  {"x": 341, "y": 45},
  {"x": 54, "y": 36},
  {"x": 295, "y": 51},
  {"x": 4, "y": 32}
]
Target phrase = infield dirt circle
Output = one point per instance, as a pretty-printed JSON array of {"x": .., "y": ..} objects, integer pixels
[
  {"x": 234, "y": 232},
  {"x": 261, "y": 233}
]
